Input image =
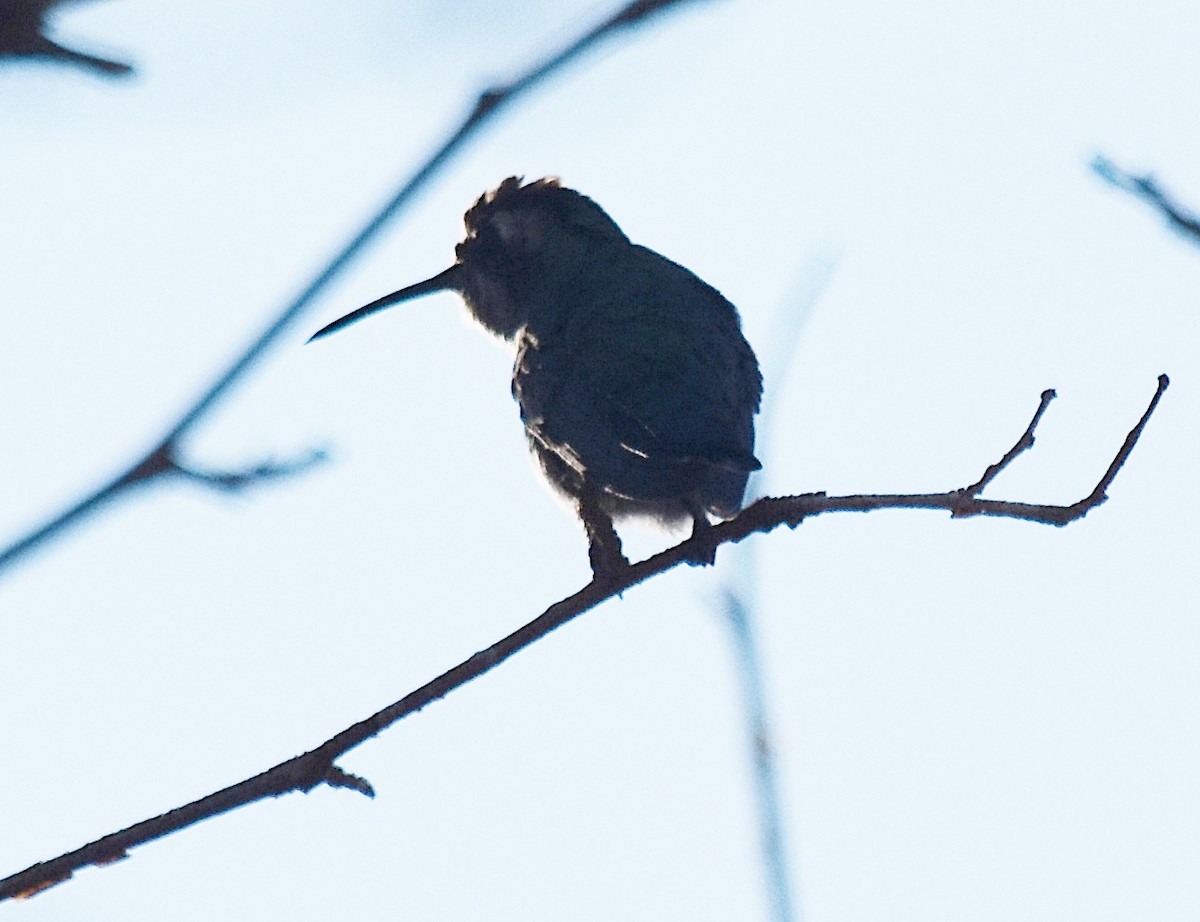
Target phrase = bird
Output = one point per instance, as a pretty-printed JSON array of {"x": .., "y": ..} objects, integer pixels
[
  {"x": 636, "y": 386},
  {"x": 23, "y": 25}
]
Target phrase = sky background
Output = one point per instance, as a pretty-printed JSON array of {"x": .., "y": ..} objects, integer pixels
[{"x": 978, "y": 719}]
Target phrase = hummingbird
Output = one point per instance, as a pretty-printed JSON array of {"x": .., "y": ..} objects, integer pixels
[{"x": 635, "y": 384}]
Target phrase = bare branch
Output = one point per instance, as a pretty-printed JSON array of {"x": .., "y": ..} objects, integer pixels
[
  {"x": 236, "y": 481},
  {"x": 1147, "y": 189},
  {"x": 1100, "y": 494},
  {"x": 1024, "y": 443},
  {"x": 488, "y": 104},
  {"x": 23, "y": 27},
  {"x": 318, "y": 766}
]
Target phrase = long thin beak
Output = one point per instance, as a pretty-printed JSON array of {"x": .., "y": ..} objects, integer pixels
[{"x": 440, "y": 282}]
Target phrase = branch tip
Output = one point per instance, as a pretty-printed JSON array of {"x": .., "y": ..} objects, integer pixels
[
  {"x": 337, "y": 777},
  {"x": 1130, "y": 440},
  {"x": 1024, "y": 443}
]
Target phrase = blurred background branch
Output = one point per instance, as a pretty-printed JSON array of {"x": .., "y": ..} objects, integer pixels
[
  {"x": 739, "y": 600},
  {"x": 163, "y": 456},
  {"x": 1146, "y": 188},
  {"x": 24, "y": 28}
]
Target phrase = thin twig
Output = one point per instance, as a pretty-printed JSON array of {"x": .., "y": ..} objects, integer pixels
[
  {"x": 488, "y": 104},
  {"x": 738, "y": 602},
  {"x": 771, "y": 826},
  {"x": 237, "y": 481},
  {"x": 1024, "y": 443},
  {"x": 318, "y": 766},
  {"x": 1147, "y": 188}
]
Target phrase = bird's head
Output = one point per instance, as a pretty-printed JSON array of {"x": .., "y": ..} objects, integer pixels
[{"x": 521, "y": 241}]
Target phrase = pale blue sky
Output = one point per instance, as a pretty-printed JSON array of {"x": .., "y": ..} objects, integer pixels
[{"x": 982, "y": 720}]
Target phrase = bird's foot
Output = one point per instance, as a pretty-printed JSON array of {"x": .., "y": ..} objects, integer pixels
[
  {"x": 701, "y": 549},
  {"x": 604, "y": 544},
  {"x": 607, "y": 560}
]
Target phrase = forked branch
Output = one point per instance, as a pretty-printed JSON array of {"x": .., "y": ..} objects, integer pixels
[{"x": 318, "y": 766}]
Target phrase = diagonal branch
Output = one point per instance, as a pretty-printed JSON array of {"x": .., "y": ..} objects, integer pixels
[
  {"x": 318, "y": 766},
  {"x": 489, "y": 103},
  {"x": 1024, "y": 443},
  {"x": 1147, "y": 189}
]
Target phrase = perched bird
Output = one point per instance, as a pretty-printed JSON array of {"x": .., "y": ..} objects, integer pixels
[
  {"x": 636, "y": 387},
  {"x": 23, "y": 28}
]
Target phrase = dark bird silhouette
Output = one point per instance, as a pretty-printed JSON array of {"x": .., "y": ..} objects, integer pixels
[
  {"x": 636, "y": 387},
  {"x": 23, "y": 26}
]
